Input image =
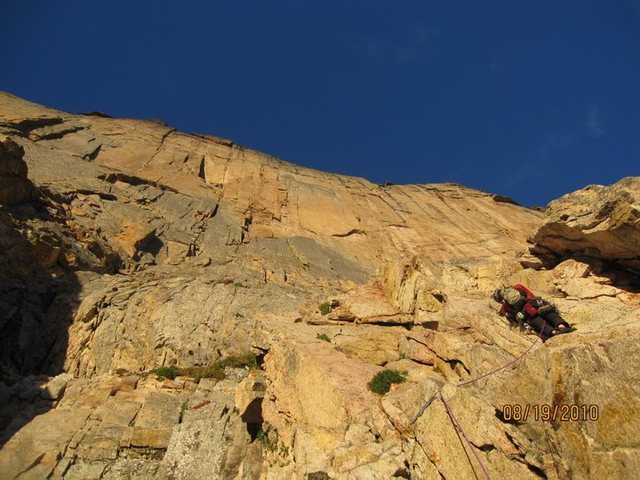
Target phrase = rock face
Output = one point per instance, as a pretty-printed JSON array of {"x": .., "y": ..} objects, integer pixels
[
  {"x": 143, "y": 247},
  {"x": 599, "y": 223},
  {"x": 14, "y": 185}
]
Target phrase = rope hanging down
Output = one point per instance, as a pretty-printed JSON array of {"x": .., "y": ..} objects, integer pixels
[
  {"x": 456, "y": 424},
  {"x": 452, "y": 417}
]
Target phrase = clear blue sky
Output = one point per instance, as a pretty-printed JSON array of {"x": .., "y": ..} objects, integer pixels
[{"x": 530, "y": 99}]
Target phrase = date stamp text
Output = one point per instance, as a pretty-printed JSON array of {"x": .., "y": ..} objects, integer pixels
[{"x": 551, "y": 413}]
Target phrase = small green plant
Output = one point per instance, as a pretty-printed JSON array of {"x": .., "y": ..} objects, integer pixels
[
  {"x": 183, "y": 408},
  {"x": 238, "y": 285},
  {"x": 216, "y": 369},
  {"x": 381, "y": 382},
  {"x": 249, "y": 360},
  {"x": 121, "y": 371},
  {"x": 324, "y": 308},
  {"x": 208, "y": 371},
  {"x": 263, "y": 438},
  {"x": 323, "y": 336},
  {"x": 166, "y": 372}
]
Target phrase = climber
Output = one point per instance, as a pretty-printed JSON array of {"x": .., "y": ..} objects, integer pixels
[{"x": 520, "y": 305}]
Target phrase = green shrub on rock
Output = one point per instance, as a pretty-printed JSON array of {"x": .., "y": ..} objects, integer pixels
[
  {"x": 214, "y": 370},
  {"x": 324, "y": 308},
  {"x": 166, "y": 372},
  {"x": 381, "y": 382}
]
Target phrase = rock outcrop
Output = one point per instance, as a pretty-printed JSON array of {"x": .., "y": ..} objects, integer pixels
[
  {"x": 15, "y": 187},
  {"x": 600, "y": 223},
  {"x": 144, "y": 262}
]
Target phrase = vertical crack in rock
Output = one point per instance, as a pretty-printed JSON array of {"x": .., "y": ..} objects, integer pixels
[
  {"x": 91, "y": 156},
  {"x": 159, "y": 148}
]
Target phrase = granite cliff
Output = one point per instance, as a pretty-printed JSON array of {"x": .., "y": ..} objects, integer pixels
[{"x": 272, "y": 294}]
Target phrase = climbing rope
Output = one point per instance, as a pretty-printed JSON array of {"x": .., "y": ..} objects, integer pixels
[
  {"x": 456, "y": 424},
  {"x": 449, "y": 410},
  {"x": 473, "y": 380}
]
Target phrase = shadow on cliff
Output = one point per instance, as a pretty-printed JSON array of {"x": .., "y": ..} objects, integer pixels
[
  {"x": 618, "y": 274},
  {"x": 621, "y": 274},
  {"x": 37, "y": 296}
]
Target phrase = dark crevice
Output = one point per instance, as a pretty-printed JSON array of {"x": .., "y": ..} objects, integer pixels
[
  {"x": 201, "y": 169},
  {"x": 61, "y": 133},
  {"x": 382, "y": 323},
  {"x": 102, "y": 195},
  {"x": 96, "y": 114},
  {"x": 69, "y": 196},
  {"x": 133, "y": 180},
  {"x": 422, "y": 362},
  {"x": 153, "y": 246},
  {"x": 503, "y": 199},
  {"x": 353, "y": 231},
  {"x": 26, "y": 126},
  {"x": 439, "y": 297},
  {"x": 260, "y": 359},
  {"x": 487, "y": 447},
  {"x": 214, "y": 212},
  {"x": 512, "y": 440},
  {"x": 500, "y": 416},
  {"x": 252, "y": 416},
  {"x": 91, "y": 156},
  {"x": 244, "y": 232},
  {"x": 429, "y": 324},
  {"x": 402, "y": 473},
  {"x": 319, "y": 475},
  {"x": 536, "y": 471},
  {"x": 455, "y": 362}
]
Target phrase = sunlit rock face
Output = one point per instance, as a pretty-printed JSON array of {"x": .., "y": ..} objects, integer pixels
[
  {"x": 598, "y": 223},
  {"x": 272, "y": 295}
]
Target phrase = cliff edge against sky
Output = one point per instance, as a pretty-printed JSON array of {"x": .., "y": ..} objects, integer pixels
[{"x": 129, "y": 246}]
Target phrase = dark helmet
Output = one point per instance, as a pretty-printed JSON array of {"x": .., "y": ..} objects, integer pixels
[{"x": 498, "y": 295}]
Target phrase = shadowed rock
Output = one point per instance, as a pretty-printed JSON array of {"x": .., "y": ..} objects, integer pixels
[{"x": 15, "y": 187}]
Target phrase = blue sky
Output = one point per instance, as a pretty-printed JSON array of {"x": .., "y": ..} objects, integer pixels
[{"x": 529, "y": 99}]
